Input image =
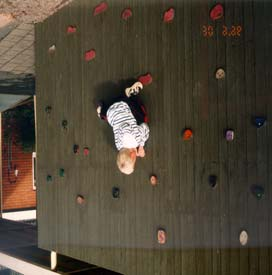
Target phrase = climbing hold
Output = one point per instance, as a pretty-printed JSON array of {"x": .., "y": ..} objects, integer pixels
[
  {"x": 76, "y": 149},
  {"x": 61, "y": 172},
  {"x": 257, "y": 191},
  {"x": 259, "y": 121},
  {"x": 100, "y": 8},
  {"x": 89, "y": 55},
  {"x": 71, "y": 29},
  {"x": 243, "y": 238},
  {"x": 187, "y": 134},
  {"x": 52, "y": 49},
  {"x": 49, "y": 178},
  {"x": 126, "y": 13},
  {"x": 153, "y": 180},
  {"x": 169, "y": 15},
  {"x": 212, "y": 181},
  {"x": 229, "y": 135},
  {"x": 217, "y": 12},
  {"x": 161, "y": 236},
  {"x": 220, "y": 74},
  {"x": 145, "y": 79},
  {"x": 64, "y": 124},
  {"x": 48, "y": 109},
  {"x": 80, "y": 199},
  {"x": 86, "y": 151},
  {"x": 115, "y": 192}
]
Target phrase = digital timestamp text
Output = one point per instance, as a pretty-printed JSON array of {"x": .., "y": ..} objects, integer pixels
[{"x": 209, "y": 31}]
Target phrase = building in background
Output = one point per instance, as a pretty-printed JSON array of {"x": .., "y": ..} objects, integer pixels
[{"x": 18, "y": 161}]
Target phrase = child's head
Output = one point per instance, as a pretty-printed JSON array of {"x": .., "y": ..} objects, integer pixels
[{"x": 126, "y": 159}]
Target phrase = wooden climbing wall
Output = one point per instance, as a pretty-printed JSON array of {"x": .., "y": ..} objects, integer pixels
[{"x": 202, "y": 224}]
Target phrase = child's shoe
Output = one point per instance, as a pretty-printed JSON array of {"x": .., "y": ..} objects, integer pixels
[
  {"x": 134, "y": 89},
  {"x": 98, "y": 110},
  {"x": 99, "y": 106}
]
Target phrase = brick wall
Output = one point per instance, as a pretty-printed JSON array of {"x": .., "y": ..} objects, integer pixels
[{"x": 19, "y": 194}]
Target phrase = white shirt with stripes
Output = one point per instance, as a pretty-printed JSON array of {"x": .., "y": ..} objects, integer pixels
[{"x": 127, "y": 133}]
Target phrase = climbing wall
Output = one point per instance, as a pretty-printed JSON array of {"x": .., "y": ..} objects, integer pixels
[{"x": 199, "y": 202}]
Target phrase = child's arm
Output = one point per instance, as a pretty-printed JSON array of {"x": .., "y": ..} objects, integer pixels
[{"x": 144, "y": 132}]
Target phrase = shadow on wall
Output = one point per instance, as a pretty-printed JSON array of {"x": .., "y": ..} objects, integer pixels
[{"x": 107, "y": 91}]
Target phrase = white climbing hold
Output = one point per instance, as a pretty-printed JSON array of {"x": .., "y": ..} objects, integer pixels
[
  {"x": 243, "y": 238},
  {"x": 52, "y": 49},
  {"x": 220, "y": 74}
]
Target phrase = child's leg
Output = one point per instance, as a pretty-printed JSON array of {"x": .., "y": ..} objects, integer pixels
[
  {"x": 133, "y": 101},
  {"x": 105, "y": 106},
  {"x": 137, "y": 108}
]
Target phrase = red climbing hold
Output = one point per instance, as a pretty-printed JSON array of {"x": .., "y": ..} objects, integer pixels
[
  {"x": 86, "y": 151},
  {"x": 89, "y": 55},
  {"x": 71, "y": 29},
  {"x": 161, "y": 236},
  {"x": 145, "y": 79},
  {"x": 217, "y": 12},
  {"x": 126, "y": 14},
  {"x": 100, "y": 8},
  {"x": 169, "y": 15}
]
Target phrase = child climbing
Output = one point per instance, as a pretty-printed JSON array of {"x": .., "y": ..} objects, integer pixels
[{"x": 127, "y": 116}]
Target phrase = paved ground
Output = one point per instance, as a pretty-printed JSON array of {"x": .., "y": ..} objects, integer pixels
[{"x": 29, "y": 11}]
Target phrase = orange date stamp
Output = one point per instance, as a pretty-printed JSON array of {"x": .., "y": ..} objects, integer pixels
[{"x": 233, "y": 31}]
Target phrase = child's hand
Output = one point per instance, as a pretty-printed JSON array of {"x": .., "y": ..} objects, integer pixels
[{"x": 141, "y": 152}]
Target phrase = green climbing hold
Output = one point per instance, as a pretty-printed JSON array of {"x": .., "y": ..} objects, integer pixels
[
  {"x": 48, "y": 109},
  {"x": 64, "y": 124},
  {"x": 61, "y": 172},
  {"x": 257, "y": 191},
  {"x": 49, "y": 178}
]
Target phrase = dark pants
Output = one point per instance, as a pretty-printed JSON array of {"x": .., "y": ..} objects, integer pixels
[{"x": 135, "y": 104}]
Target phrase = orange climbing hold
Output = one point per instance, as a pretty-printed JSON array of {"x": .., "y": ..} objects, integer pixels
[
  {"x": 187, "y": 134},
  {"x": 126, "y": 13},
  {"x": 145, "y": 79},
  {"x": 71, "y": 29},
  {"x": 217, "y": 12},
  {"x": 80, "y": 199},
  {"x": 169, "y": 15},
  {"x": 100, "y": 8},
  {"x": 89, "y": 55}
]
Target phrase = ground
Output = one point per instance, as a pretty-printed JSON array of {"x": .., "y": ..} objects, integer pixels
[{"x": 29, "y": 11}]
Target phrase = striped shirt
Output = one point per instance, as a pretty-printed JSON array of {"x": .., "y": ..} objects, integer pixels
[{"x": 123, "y": 123}]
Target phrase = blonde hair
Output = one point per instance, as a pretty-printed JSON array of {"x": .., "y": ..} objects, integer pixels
[{"x": 124, "y": 161}]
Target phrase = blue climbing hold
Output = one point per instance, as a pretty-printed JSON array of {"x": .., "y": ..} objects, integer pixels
[
  {"x": 259, "y": 121},
  {"x": 116, "y": 192}
]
